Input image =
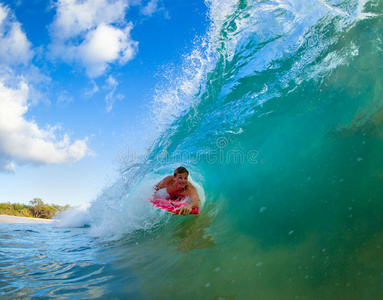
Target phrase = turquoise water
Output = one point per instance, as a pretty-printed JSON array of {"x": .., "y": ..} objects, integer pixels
[
  {"x": 38, "y": 261},
  {"x": 277, "y": 114}
]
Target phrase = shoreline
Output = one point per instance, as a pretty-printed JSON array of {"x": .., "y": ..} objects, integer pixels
[{"x": 28, "y": 220}]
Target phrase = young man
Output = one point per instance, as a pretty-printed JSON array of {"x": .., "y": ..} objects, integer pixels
[{"x": 178, "y": 187}]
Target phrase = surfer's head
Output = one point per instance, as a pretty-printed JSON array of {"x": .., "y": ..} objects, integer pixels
[
  {"x": 181, "y": 170},
  {"x": 181, "y": 177}
]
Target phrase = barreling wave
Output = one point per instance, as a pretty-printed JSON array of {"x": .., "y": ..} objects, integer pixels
[
  {"x": 277, "y": 114},
  {"x": 253, "y": 52}
]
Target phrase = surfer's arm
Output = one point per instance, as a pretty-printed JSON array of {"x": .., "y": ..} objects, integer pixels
[
  {"x": 163, "y": 183},
  {"x": 193, "y": 195}
]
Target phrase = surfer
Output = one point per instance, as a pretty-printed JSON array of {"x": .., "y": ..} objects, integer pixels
[{"x": 178, "y": 188}]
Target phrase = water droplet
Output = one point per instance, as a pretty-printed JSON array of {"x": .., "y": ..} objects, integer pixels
[
  {"x": 217, "y": 269},
  {"x": 259, "y": 264},
  {"x": 291, "y": 232},
  {"x": 207, "y": 284},
  {"x": 262, "y": 209}
]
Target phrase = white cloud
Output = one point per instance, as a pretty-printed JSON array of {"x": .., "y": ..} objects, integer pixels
[
  {"x": 3, "y": 14},
  {"x": 6, "y": 166},
  {"x": 92, "y": 33},
  {"x": 111, "y": 86},
  {"x": 64, "y": 98},
  {"x": 105, "y": 45},
  {"x": 16, "y": 54},
  {"x": 77, "y": 17},
  {"x": 150, "y": 8},
  {"x": 23, "y": 142},
  {"x": 90, "y": 92},
  {"x": 14, "y": 45}
]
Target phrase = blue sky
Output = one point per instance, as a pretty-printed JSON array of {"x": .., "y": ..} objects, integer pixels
[{"x": 76, "y": 82}]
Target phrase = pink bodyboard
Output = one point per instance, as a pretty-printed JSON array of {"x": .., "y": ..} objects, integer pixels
[{"x": 171, "y": 206}]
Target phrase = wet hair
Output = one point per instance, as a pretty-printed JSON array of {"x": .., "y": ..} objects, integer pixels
[{"x": 181, "y": 170}]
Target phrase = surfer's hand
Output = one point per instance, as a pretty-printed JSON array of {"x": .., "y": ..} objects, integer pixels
[{"x": 185, "y": 210}]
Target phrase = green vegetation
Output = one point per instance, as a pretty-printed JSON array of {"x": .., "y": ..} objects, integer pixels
[{"x": 36, "y": 209}]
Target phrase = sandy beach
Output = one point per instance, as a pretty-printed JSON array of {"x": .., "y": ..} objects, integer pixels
[{"x": 14, "y": 219}]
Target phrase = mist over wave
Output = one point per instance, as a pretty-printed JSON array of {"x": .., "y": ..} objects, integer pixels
[{"x": 74, "y": 217}]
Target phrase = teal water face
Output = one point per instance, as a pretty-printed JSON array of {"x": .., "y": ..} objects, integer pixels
[{"x": 283, "y": 136}]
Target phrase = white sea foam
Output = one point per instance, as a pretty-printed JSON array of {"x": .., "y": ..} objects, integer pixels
[
  {"x": 119, "y": 211},
  {"x": 74, "y": 217},
  {"x": 177, "y": 93}
]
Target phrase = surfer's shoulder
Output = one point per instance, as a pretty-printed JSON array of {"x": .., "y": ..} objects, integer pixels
[
  {"x": 164, "y": 183},
  {"x": 168, "y": 179},
  {"x": 189, "y": 186}
]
